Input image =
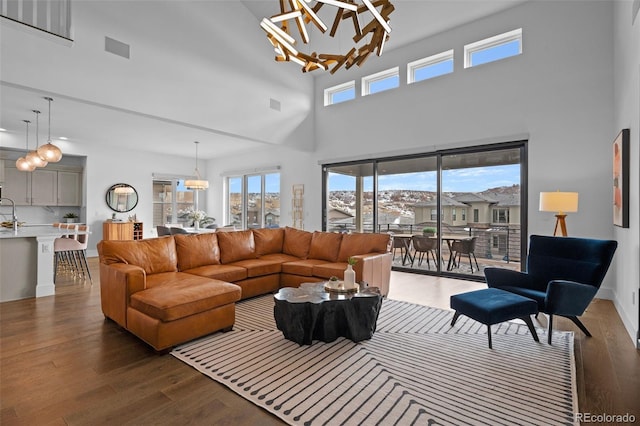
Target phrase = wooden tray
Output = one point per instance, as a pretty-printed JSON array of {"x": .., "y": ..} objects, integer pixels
[{"x": 334, "y": 287}]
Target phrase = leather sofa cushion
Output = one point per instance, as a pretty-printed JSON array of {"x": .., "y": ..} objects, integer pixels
[
  {"x": 296, "y": 242},
  {"x": 154, "y": 255},
  {"x": 163, "y": 278},
  {"x": 228, "y": 273},
  {"x": 188, "y": 296},
  {"x": 280, "y": 257},
  {"x": 235, "y": 246},
  {"x": 197, "y": 250},
  {"x": 268, "y": 241},
  {"x": 354, "y": 244},
  {"x": 328, "y": 270},
  {"x": 301, "y": 267},
  {"x": 325, "y": 246},
  {"x": 259, "y": 267}
]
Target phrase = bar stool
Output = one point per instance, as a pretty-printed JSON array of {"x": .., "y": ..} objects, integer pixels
[{"x": 70, "y": 252}]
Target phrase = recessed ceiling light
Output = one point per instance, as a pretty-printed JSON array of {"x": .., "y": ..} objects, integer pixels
[
  {"x": 2, "y": 130},
  {"x": 64, "y": 138}
]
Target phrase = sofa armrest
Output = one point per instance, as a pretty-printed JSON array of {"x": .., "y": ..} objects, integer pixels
[
  {"x": 374, "y": 269},
  {"x": 118, "y": 281},
  {"x": 568, "y": 297}
]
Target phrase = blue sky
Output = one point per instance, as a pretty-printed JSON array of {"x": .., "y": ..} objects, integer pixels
[
  {"x": 460, "y": 180},
  {"x": 272, "y": 183}
]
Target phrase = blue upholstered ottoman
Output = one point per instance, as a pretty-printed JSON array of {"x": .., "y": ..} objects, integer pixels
[{"x": 492, "y": 306}]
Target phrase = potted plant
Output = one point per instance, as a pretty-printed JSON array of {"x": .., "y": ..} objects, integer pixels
[
  {"x": 70, "y": 217},
  {"x": 429, "y": 231}
]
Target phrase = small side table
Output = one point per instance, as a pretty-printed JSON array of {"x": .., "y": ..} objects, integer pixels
[{"x": 310, "y": 313}]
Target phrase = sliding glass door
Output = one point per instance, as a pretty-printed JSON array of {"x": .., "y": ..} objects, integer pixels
[
  {"x": 480, "y": 210},
  {"x": 349, "y": 198},
  {"x": 450, "y": 212}
]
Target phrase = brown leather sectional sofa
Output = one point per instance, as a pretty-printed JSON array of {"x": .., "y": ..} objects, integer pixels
[{"x": 173, "y": 289}]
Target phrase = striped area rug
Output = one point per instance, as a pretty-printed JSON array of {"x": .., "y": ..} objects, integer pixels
[{"x": 415, "y": 370}]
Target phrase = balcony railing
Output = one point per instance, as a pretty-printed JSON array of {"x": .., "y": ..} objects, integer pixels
[
  {"x": 498, "y": 245},
  {"x": 52, "y": 16}
]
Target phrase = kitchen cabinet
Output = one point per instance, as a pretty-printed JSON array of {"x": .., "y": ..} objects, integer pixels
[
  {"x": 17, "y": 186},
  {"x": 69, "y": 188},
  {"x": 43, "y": 187}
]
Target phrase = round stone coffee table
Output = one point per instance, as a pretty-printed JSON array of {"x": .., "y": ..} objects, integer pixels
[{"x": 310, "y": 313}]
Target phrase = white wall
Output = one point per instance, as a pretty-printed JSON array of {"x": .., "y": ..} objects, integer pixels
[
  {"x": 627, "y": 115},
  {"x": 106, "y": 167},
  {"x": 297, "y": 167},
  {"x": 558, "y": 93}
]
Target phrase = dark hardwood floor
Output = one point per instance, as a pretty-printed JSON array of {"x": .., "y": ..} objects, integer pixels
[{"x": 62, "y": 363}]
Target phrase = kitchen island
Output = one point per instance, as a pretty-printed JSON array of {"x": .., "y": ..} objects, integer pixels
[{"x": 26, "y": 261}]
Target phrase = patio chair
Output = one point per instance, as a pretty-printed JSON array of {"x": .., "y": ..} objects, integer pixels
[
  {"x": 467, "y": 247},
  {"x": 424, "y": 246}
]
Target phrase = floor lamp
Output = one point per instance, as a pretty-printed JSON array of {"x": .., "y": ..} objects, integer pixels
[{"x": 560, "y": 202}]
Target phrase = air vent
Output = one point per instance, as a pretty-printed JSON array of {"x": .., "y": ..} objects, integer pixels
[
  {"x": 116, "y": 47},
  {"x": 273, "y": 104}
]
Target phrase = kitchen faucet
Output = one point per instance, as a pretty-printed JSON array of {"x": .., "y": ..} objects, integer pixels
[{"x": 14, "y": 218}]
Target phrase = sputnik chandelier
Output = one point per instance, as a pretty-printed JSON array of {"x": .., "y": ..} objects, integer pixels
[{"x": 370, "y": 21}]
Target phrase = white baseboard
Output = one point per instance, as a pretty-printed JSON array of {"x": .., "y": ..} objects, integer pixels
[{"x": 610, "y": 294}]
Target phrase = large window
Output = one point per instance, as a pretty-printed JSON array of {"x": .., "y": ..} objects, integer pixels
[
  {"x": 171, "y": 201},
  {"x": 468, "y": 198},
  {"x": 253, "y": 201}
]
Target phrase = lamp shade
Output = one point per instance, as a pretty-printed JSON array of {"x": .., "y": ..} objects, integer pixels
[
  {"x": 561, "y": 202},
  {"x": 196, "y": 184},
  {"x": 24, "y": 166},
  {"x": 34, "y": 159}
]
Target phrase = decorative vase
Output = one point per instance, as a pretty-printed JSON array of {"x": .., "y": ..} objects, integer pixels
[
  {"x": 349, "y": 277},
  {"x": 196, "y": 224}
]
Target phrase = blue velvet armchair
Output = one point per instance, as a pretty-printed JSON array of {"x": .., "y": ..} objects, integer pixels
[{"x": 562, "y": 275}]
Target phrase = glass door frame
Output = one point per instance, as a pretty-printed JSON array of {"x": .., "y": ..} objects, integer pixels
[{"x": 521, "y": 145}]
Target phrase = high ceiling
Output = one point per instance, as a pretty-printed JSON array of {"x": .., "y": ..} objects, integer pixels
[{"x": 198, "y": 71}]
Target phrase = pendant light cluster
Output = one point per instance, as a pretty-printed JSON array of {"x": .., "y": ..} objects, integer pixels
[{"x": 41, "y": 155}]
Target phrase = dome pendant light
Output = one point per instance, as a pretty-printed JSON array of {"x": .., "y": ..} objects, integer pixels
[
  {"x": 49, "y": 152},
  {"x": 197, "y": 184},
  {"x": 33, "y": 157},
  {"x": 21, "y": 163}
]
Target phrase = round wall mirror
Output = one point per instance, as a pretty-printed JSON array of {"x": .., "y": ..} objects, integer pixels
[{"x": 122, "y": 197}]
